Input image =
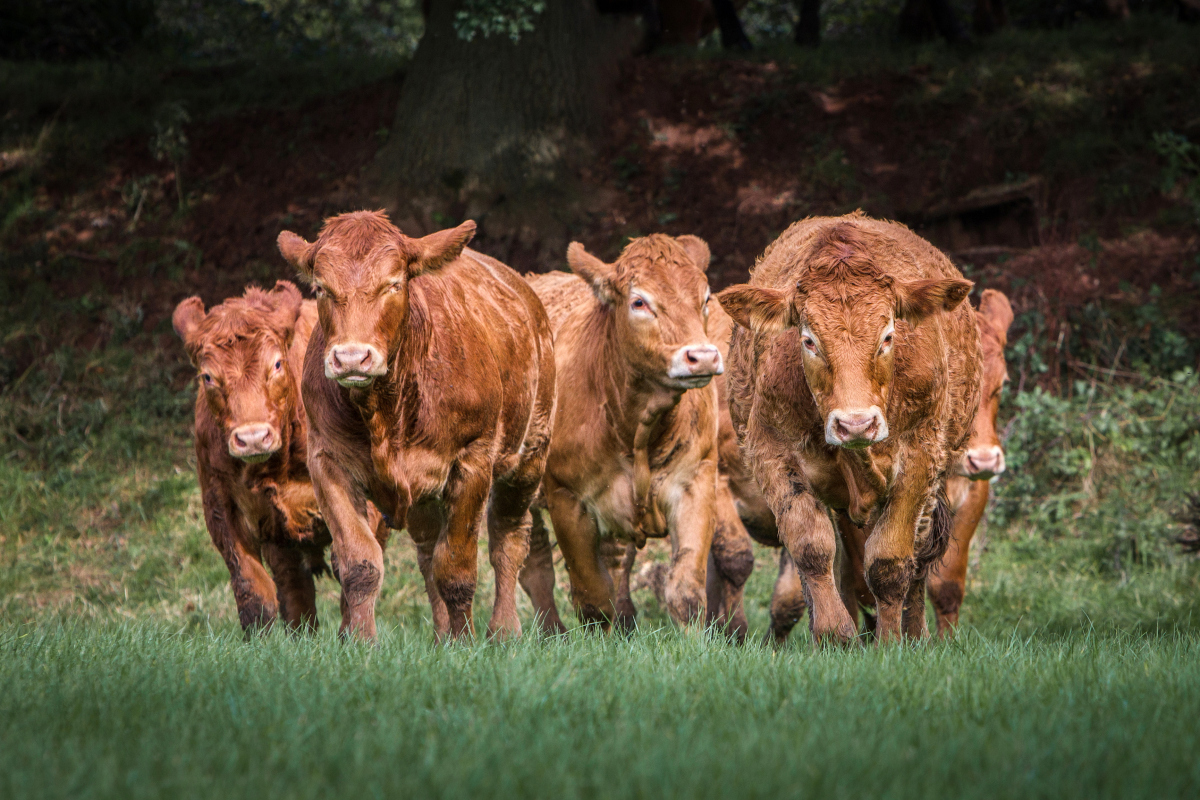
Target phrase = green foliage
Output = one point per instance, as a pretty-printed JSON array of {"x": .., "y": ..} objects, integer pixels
[
  {"x": 237, "y": 29},
  {"x": 1109, "y": 466},
  {"x": 1181, "y": 175},
  {"x": 509, "y": 18},
  {"x": 170, "y": 141}
]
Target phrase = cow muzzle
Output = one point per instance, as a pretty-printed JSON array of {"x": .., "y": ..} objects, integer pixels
[
  {"x": 354, "y": 365},
  {"x": 857, "y": 428},
  {"x": 695, "y": 365},
  {"x": 984, "y": 463},
  {"x": 254, "y": 443}
]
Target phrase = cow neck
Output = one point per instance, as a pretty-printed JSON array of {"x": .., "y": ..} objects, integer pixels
[
  {"x": 865, "y": 482},
  {"x": 387, "y": 407},
  {"x": 640, "y": 410}
]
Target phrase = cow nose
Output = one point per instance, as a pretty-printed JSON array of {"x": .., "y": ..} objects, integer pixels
[
  {"x": 248, "y": 441},
  {"x": 694, "y": 365},
  {"x": 703, "y": 360},
  {"x": 860, "y": 427},
  {"x": 985, "y": 462},
  {"x": 354, "y": 364}
]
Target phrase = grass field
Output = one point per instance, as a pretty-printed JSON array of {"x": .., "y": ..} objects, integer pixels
[{"x": 144, "y": 710}]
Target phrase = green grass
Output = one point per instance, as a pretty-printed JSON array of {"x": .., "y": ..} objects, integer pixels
[{"x": 144, "y": 710}]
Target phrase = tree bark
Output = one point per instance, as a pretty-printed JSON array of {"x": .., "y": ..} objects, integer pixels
[
  {"x": 923, "y": 19},
  {"x": 808, "y": 25},
  {"x": 491, "y": 118},
  {"x": 990, "y": 16}
]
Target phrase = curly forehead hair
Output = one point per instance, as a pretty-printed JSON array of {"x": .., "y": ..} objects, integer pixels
[{"x": 240, "y": 318}]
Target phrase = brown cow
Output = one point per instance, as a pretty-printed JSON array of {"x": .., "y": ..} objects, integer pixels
[
  {"x": 966, "y": 490},
  {"x": 250, "y": 449},
  {"x": 967, "y": 487},
  {"x": 854, "y": 377},
  {"x": 633, "y": 453},
  {"x": 429, "y": 387}
]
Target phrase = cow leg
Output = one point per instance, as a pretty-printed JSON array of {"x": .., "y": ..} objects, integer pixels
[
  {"x": 855, "y": 592},
  {"x": 425, "y": 522},
  {"x": 731, "y": 560},
  {"x": 537, "y": 577},
  {"x": 889, "y": 562},
  {"x": 591, "y": 583},
  {"x": 948, "y": 577},
  {"x": 456, "y": 554},
  {"x": 806, "y": 532},
  {"x": 295, "y": 587},
  {"x": 253, "y": 589},
  {"x": 357, "y": 552},
  {"x": 509, "y": 523},
  {"x": 787, "y": 600},
  {"x": 913, "y": 622},
  {"x": 620, "y": 558},
  {"x": 692, "y": 523}
]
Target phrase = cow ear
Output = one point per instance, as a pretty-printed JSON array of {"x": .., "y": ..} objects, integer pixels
[
  {"x": 287, "y": 300},
  {"x": 186, "y": 319},
  {"x": 760, "y": 309},
  {"x": 298, "y": 252},
  {"x": 438, "y": 249},
  {"x": 697, "y": 248},
  {"x": 995, "y": 308},
  {"x": 917, "y": 300},
  {"x": 602, "y": 277}
]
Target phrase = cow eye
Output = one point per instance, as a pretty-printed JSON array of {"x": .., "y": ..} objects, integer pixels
[
  {"x": 279, "y": 364},
  {"x": 638, "y": 304},
  {"x": 208, "y": 379},
  {"x": 319, "y": 291},
  {"x": 809, "y": 343}
]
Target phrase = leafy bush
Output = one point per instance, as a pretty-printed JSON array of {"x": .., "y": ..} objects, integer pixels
[{"x": 1111, "y": 465}]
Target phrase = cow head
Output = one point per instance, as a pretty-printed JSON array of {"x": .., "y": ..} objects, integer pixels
[
  {"x": 984, "y": 458},
  {"x": 360, "y": 268},
  {"x": 240, "y": 349},
  {"x": 658, "y": 297},
  {"x": 850, "y": 315}
]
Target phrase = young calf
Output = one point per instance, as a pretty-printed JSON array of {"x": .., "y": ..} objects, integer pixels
[
  {"x": 429, "y": 388},
  {"x": 633, "y": 454},
  {"x": 854, "y": 378},
  {"x": 250, "y": 449}
]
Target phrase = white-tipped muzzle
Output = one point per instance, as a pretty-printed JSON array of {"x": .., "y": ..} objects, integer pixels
[
  {"x": 354, "y": 365},
  {"x": 983, "y": 463},
  {"x": 254, "y": 443},
  {"x": 855, "y": 428},
  {"x": 695, "y": 365}
]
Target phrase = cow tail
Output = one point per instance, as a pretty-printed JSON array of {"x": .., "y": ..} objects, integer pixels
[{"x": 941, "y": 524}]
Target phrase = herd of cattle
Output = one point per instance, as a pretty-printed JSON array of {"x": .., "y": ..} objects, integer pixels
[{"x": 840, "y": 406}]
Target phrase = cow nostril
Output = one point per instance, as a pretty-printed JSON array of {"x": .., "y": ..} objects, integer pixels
[
  {"x": 365, "y": 361},
  {"x": 237, "y": 438}
]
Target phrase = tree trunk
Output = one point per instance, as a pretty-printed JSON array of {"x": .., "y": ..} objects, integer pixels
[
  {"x": 923, "y": 19},
  {"x": 489, "y": 119},
  {"x": 808, "y": 24},
  {"x": 990, "y": 17}
]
